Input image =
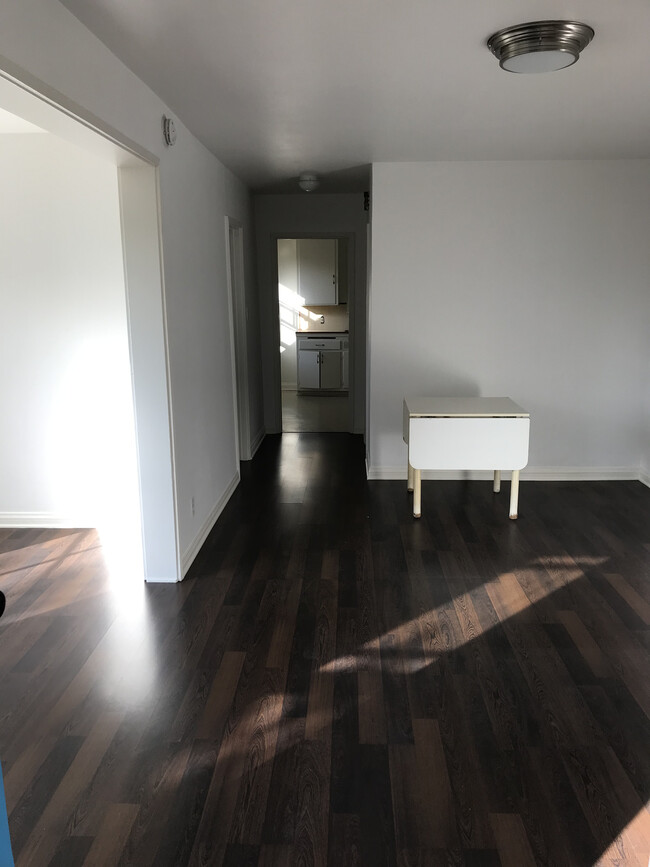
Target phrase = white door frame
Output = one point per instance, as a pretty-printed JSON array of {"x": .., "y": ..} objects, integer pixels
[
  {"x": 274, "y": 361},
  {"x": 137, "y": 168},
  {"x": 238, "y": 314}
]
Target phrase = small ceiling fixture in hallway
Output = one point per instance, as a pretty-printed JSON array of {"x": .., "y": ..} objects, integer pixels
[
  {"x": 540, "y": 46},
  {"x": 308, "y": 181}
]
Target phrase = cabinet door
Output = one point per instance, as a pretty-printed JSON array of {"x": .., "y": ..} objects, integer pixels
[
  {"x": 330, "y": 369},
  {"x": 308, "y": 369},
  {"x": 317, "y": 276}
]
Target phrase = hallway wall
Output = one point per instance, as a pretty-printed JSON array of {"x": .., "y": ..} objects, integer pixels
[
  {"x": 43, "y": 43},
  {"x": 292, "y": 216}
]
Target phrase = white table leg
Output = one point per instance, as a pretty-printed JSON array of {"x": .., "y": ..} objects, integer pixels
[
  {"x": 417, "y": 493},
  {"x": 497, "y": 481},
  {"x": 409, "y": 484},
  {"x": 514, "y": 494}
]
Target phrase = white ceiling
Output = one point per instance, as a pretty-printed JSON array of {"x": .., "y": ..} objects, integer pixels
[{"x": 274, "y": 89}]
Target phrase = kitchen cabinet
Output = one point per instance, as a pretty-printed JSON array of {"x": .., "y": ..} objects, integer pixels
[
  {"x": 317, "y": 270},
  {"x": 330, "y": 369},
  {"x": 322, "y": 362},
  {"x": 308, "y": 369}
]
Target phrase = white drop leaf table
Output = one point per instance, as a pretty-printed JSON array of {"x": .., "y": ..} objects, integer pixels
[{"x": 465, "y": 433}]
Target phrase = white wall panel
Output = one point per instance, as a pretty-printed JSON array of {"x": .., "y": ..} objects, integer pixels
[{"x": 526, "y": 279}]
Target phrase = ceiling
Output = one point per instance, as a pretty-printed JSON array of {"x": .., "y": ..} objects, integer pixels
[{"x": 274, "y": 89}]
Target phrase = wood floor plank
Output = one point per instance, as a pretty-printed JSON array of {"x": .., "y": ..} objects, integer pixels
[
  {"x": 107, "y": 846},
  {"x": 636, "y": 602},
  {"x": 217, "y": 707},
  {"x": 336, "y": 684},
  {"x": 586, "y": 644},
  {"x": 514, "y": 848}
]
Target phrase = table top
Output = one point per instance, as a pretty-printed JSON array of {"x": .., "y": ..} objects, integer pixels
[{"x": 463, "y": 407}]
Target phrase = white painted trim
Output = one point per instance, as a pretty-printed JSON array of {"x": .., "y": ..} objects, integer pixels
[
  {"x": 49, "y": 96},
  {"x": 257, "y": 441},
  {"x": 42, "y": 519},
  {"x": 188, "y": 557},
  {"x": 238, "y": 325},
  {"x": 540, "y": 474},
  {"x": 170, "y": 409},
  {"x": 644, "y": 477}
]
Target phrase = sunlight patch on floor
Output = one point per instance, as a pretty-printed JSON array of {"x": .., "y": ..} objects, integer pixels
[{"x": 420, "y": 641}]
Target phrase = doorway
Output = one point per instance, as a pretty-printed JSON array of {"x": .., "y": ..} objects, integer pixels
[
  {"x": 238, "y": 342},
  {"x": 142, "y": 538},
  {"x": 313, "y": 287}
]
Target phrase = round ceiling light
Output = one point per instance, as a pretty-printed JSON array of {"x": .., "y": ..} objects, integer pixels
[
  {"x": 540, "y": 46},
  {"x": 308, "y": 182}
]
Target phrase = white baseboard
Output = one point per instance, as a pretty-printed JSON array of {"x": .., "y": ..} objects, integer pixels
[
  {"x": 188, "y": 557},
  {"x": 538, "y": 474},
  {"x": 644, "y": 477},
  {"x": 257, "y": 440},
  {"x": 46, "y": 520}
]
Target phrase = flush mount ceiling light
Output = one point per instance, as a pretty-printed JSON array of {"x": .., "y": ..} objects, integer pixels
[
  {"x": 540, "y": 46},
  {"x": 308, "y": 182}
]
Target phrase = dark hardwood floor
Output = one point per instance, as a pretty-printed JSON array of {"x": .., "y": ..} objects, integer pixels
[{"x": 336, "y": 684}]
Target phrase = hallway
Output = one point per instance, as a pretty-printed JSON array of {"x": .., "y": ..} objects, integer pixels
[
  {"x": 303, "y": 413},
  {"x": 338, "y": 684}
]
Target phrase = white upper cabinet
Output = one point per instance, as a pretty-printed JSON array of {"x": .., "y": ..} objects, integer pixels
[{"x": 317, "y": 270}]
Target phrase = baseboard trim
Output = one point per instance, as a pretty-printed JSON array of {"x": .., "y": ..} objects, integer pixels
[
  {"x": 533, "y": 474},
  {"x": 644, "y": 477},
  {"x": 46, "y": 520},
  {"x": 257, "y": 441},
  {"x": 188, "y": 557}
]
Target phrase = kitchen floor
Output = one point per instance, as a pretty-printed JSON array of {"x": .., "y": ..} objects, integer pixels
[{"x": 313, "y": 412}]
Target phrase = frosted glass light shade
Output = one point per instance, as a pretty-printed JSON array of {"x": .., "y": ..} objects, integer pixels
[
  {"x": 539, "y": 61},
  {"x": 308, "y": 182}
]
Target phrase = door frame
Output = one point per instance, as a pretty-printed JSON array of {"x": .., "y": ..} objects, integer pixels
[
  {"x": 274, "y": 362},
  {"x": 238, "y": 315},
  {"x": 140, "y": 209}
]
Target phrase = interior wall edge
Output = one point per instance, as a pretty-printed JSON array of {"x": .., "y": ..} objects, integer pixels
[
  {"x": 256, "y": 441},
  {"x": 195, "y": 546}
]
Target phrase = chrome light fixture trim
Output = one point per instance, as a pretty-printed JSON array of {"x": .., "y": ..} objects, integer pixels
[{"x": 540, "y": 46}]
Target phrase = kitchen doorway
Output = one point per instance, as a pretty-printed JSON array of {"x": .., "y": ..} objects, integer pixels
[{"x": 313, "y": 288}]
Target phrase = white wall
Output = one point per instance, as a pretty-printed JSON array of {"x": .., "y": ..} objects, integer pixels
[
  {"x": 304, "y": 215},
  {"x": 525, "y": 279},
  {"x": 67, "y": 440},
  {"x": 196, "y": 193}
]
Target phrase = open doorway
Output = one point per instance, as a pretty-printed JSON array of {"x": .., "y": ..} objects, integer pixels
[
  {"x": 313, "y": 289},
  {"x": 88, "y": 372}
]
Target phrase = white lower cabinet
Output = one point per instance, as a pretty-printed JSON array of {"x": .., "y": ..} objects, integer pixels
[
  {"x": 322, "y": 363},
  {"x": 308, "y": 369},
  {"x": 330, "y": 368}
]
